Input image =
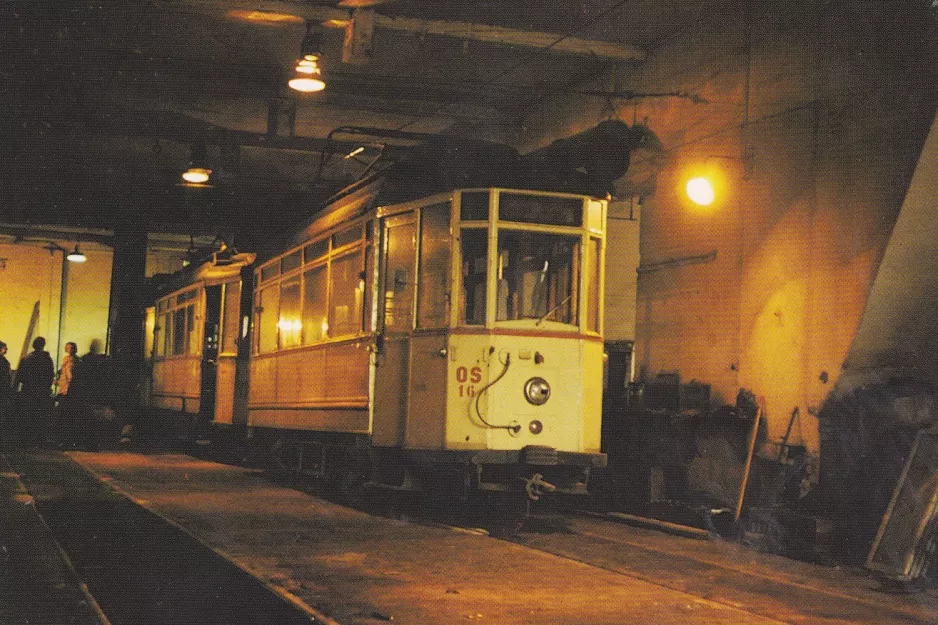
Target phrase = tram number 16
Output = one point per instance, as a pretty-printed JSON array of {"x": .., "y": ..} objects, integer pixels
[{"x": 473, "y": 376}]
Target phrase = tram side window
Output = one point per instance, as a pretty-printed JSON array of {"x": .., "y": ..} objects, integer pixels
[
  {"x": 434, "y": 280},
  {"x": 232, "y": 318},
  {"x": 474, "y": 248},
  {"x": 265, "y": 323},
  {"x": 346, "y": 298},
  {"x": 368, "y": 277},
  {"x": 179, "y": 331},
  {"x": 192, "y": 332},
  {"x": 288, "y": 322},
  {"x": 163, "y": 340},
  {"x": 400, "y": 261},
  {"x": 314, "y": 305},
  {"x": 592, "y": 313}
]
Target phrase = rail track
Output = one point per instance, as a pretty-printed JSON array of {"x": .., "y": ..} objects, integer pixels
[{"x": 140, "y": 569}]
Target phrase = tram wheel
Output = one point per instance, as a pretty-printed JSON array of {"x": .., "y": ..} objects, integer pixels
[
  {"x": 353, "y": 471},
  {"x": 285, "y": 457},
  {"x": 505, "y": 513}
]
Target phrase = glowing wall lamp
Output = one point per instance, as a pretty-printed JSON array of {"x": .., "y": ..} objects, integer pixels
[
  {"x": 708, "y": 183},
  {"x": 308, "y": 73},
  {"x": 700, "y": 191}
]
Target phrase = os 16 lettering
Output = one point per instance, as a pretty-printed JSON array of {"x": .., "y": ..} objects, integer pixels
[{"x": 465, "y": 374}]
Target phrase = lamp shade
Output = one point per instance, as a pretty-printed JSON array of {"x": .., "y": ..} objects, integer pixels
[
  {"x": 308, "y": 73},
  {"x": 75, "y": 256},
  {"x": 196, "y": 175}
]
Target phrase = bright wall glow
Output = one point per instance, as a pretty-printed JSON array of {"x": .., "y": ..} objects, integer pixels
[{"x": 700, "y": 191}]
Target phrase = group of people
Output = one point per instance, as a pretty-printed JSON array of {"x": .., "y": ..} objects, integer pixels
[{"x": 31, "y": 414}]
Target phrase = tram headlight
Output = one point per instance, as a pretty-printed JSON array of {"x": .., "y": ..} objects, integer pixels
[
  {"x": 536, "y": 391},
  {"x": 535, "y": 427}
]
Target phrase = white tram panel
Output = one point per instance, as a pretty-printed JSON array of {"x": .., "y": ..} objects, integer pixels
[{"x": 463, "y": 387}]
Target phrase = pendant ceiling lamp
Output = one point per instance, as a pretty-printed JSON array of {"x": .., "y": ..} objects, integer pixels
[
  {"x": 307, "y": 76},
  {"x": 75, "y": 256},
  {"x": 198, "y": 172}
]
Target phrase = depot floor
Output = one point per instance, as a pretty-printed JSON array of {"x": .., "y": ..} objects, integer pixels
[{"x": 341, "y": 565}]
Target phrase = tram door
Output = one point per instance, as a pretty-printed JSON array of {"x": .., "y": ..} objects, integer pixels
[
  {"x": 210, "y": 352},
  {"x": 231, "y": 360},
  {"x": 392, "y": 364}
]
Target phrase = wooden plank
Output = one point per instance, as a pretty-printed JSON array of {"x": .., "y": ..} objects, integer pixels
[
  {"x": 33, "y": 320},
  {"x": 909, "y": 519}
]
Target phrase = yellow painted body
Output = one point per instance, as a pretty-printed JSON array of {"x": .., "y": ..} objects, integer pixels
[
  {"x": 176, "y": 378},
  {"x": 323, "y": 387},
  {"x": 425, "y": 379}
]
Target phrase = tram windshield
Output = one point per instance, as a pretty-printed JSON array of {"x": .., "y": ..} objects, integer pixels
[{"x": 537, "y": 275}]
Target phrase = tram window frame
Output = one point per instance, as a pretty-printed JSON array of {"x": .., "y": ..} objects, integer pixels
[
  {"x": 177, "y": 325},
  {"x": 516, "y": 294},
  {"x": 350, "y": 262},
  {"x": 347, "y": 237},
  {"x": 593, "y": 286},
  {"x": 179, "y": 331},
  {"x": 164, "y": 327},
  {"x": 231, "y": 315},
  {"x": 262, "y": 331},
  {"x": 291, "y": 261},
  {"x": 193, "y": 335},
  {"x": 315, "y": 250},
  {"x": 288, "y": 334},
  {"x": 541, "y": 209},
  {"x": 400, "y": 280},
  {"x": 368, "y": 277},
  {"x": 351, "y": 244},
  {"x": 473, "y": 265},
  {"x": 439, "y": 258},
  {"x": 470, "y": 210},
  {"x": 269, "y": 272},
  {"x": 319, "y": 321}
]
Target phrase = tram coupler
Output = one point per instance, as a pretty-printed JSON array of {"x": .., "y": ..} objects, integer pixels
[{"x": 536, "y": 485}]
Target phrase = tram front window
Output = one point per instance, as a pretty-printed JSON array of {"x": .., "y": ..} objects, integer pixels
[
  {"x": 474, "y": 246},
  {"x": 537, "y": 276}
]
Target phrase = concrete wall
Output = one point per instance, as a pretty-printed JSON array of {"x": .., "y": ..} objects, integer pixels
[{"x": 814, "y": 117}]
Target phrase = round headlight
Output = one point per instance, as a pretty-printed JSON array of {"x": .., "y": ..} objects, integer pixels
[
  {"x": 536, "y": 391},
  {"x": 535, "y": 427}
]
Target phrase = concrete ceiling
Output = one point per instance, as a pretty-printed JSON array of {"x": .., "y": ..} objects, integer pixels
[{"x": 102, "y": 97}]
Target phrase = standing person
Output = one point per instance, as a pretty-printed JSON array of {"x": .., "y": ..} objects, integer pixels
[
  {"x": 89, "y": 390},
  {"x": 65, "y": 416},
  {"x": 34, "y": 378},
  {"x": 6, "y": 390}
]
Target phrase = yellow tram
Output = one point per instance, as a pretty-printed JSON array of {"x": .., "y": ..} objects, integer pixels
[
  {"x": 195, "y": 331},
  {"x": 449, "y": 342}
]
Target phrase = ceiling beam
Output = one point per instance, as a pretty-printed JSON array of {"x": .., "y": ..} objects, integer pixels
[
  {"x": 556, "y": 43},
  {"x": 183, "y": 129},
  {"x": 548, "y": 42}
]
